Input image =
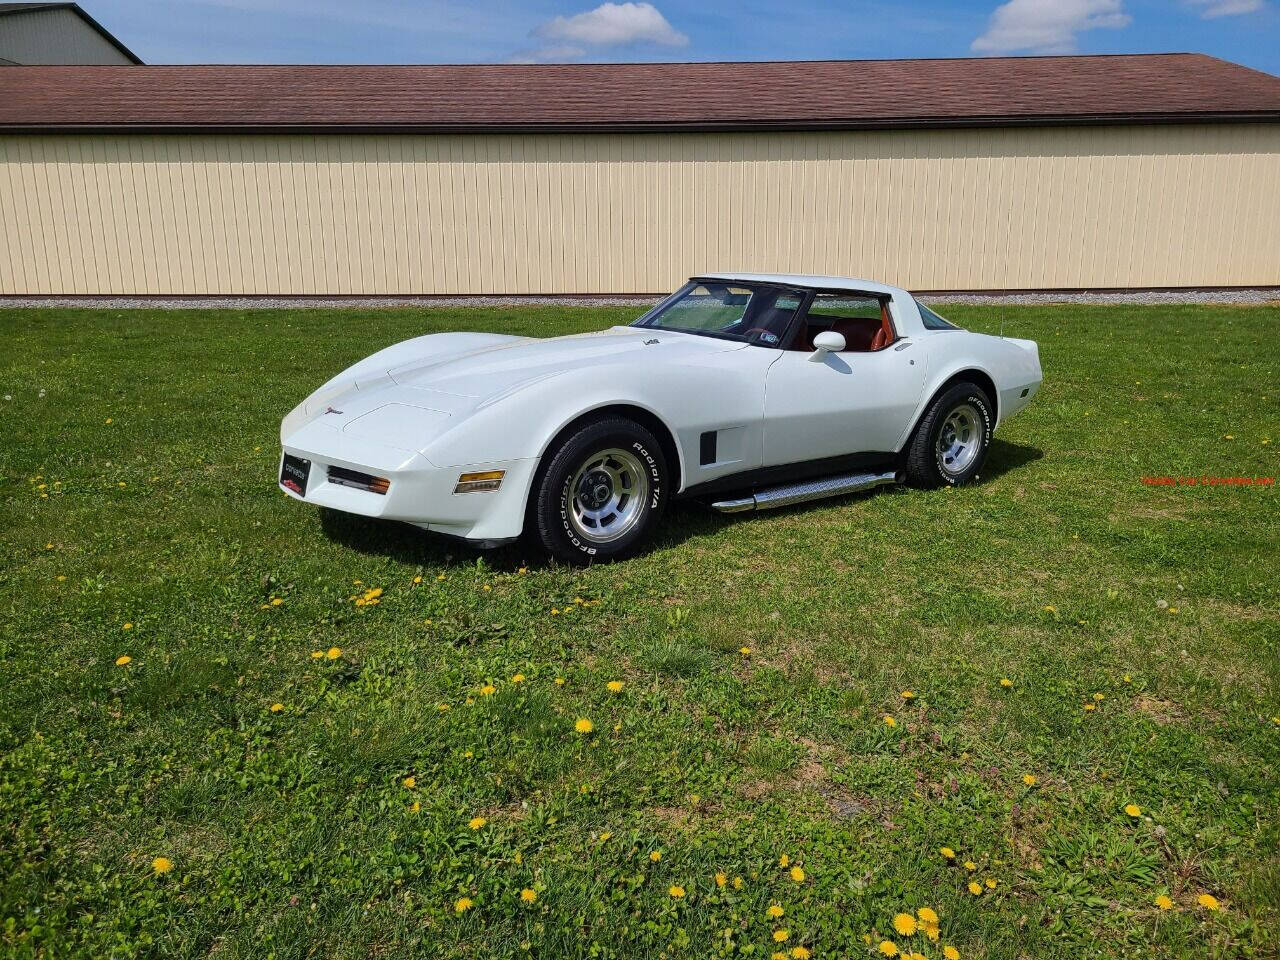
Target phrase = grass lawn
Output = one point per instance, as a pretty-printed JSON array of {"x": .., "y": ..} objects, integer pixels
[{"x": 353, "y": 801}]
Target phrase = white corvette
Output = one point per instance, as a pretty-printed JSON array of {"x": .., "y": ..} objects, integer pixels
[{"x": 747, "y": 390}]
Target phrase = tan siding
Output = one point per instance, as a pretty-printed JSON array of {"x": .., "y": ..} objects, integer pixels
[{"x": 965, "y": 209}]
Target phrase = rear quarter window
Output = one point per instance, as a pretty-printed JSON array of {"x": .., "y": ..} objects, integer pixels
[{"x": 932, "y": 321}]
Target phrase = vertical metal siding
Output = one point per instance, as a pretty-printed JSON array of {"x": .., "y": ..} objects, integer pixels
[
  {"x": 54, "y": 36},
  {"x": 558, "y": 213}
]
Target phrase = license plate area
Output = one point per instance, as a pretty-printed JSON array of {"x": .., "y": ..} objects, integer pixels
[{"x": 294, "y": 472}]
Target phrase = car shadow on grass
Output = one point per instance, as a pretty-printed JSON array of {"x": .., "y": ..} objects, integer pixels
[{"x": 685, "y": 519}]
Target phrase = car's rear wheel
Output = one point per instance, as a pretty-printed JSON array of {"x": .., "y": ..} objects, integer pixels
[
  {"x": 601, "y": 493},
  {"x": 951, "y": 441}
]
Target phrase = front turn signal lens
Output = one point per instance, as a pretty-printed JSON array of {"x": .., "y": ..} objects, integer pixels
[{"x": 480, "y": 482}]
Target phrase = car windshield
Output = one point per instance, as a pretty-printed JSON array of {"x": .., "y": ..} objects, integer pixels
[{"x": 751, "y": 312}]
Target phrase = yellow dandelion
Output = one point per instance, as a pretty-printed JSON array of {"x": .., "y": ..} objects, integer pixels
[
  {"x": 721, "y": 880},
  {"x": 1133, "y": 810},
  {"x": 463, "y": 904},
  {"x": 784, "y": 861},
  {"x": 443, "y": 707},
  {"x": 927, "y": 915},
  {"x": 468, "y": 755},
  {"x": 1127, "y": 678},
  {"x": 614, "y": 686},
  {"x": 950, "y": 952},
  {"x": 161, "y": 865},
  {"x": 775, "y": 911},
  {"x": 907, "y": 694},
  {"x": 948, "y": 853},
  {"x": 1006, "y": 682},
  {"x": 583, "y": 725},
  {"x": 488, "y": 690},
  {"x": 415, "y": 807},
  {"x": 1099, "y": 697},
  {"x": 888, "y": 947},
  {"x": 799, "y": 953},
  {"x": 127, "y": 626},
  {"x": 333, "y": 653},
  {"x": 677, "y": 892},
  {"x": 124, "y": 661},
  {"x": 1029, "y": 780},
  {"x": 779, "y": 955},
  {"x": 655, "y": 855},
  {"x": 737, "y": 883},
  {"x": 605, "y": 836},
  {"x": 975, "y": 888},
  {"x": 1050, "y": 608},
  {"x": 276, "y": 601},
  {"x": 409, "y": 782},
  {"x": 905, "y": 924},
  {"x": 518, "y": 678},
  {"x": 1090, "y": 707},
  {"x": 439, "y": 578},
  {"x": 560, "y": 681},
  {"x": 523, "y": 570},
  {"x": 1164, "y": 902},
  {"x": 931, "y": 931},
  {"x": 317, "y": 654},
  {"x": 781, "y": 936},
  {"x": 797, "y": 875},
  {"x": 992, "y": 883},
  {"x": 918, "y": 956},
  {"x": 1208, "y": 901},
  {"x": 475, "y": 823},
  {"x": 889, "y": 721},
  {"x": 486, "y": 588},
  {"x": 417, "y": 579},
  {"x": 277, "y": 707},
  {"x": 745, "y": 651},
  {"x": 970, "y": 866},
  {"x": 528, "y": 896}
]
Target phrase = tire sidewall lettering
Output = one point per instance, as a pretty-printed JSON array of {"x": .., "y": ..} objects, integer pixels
[
  {"x": 979, "y": 403},
  {"x": 566, "y": 498}
]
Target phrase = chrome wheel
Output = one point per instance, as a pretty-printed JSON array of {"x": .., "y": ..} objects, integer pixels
[
  {"x": 959, "y": 440},
  {"x": 609, "y": 493}
]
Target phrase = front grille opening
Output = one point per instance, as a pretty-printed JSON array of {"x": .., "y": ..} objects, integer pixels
[{"x": 361, "y": 481}]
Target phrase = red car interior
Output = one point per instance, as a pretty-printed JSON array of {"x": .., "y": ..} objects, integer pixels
[{"x": 861, "y": 334}]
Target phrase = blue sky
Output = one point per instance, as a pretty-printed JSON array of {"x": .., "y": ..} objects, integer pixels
[{"x": 487, "y": 31}]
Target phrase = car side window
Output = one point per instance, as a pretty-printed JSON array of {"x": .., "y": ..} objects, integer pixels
[{"x": 858, "y": 318}]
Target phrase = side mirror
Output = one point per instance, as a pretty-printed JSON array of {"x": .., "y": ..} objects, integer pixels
[{"x": 826, "y": 342}]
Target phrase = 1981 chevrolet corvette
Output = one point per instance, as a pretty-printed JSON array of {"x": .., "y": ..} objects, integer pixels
[{"x": 748, "y": 390}]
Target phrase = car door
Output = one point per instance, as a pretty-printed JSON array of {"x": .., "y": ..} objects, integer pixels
[{"x": 856, "y": 401}]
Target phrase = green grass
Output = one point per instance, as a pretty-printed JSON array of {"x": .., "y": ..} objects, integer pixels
[{"x": 292, "y": 834}]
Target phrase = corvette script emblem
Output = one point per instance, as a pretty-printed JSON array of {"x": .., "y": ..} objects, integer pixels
[{"x": 331, "y": 410}]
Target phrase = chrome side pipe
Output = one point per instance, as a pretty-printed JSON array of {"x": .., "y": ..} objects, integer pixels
[{"x": 789, "y": 493}]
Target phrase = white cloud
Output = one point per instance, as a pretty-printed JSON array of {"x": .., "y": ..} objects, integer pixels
[
  {"x": 614, "y": 24},
  {"x": 549, "y": 54},
  {"x": 1050, "y": 26},
  {"x": 1225, "y": 8}
]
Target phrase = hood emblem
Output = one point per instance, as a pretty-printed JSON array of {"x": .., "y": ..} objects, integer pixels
[
  {"x": 649, "y": 343},
  {"x": 331, "y": 410}
]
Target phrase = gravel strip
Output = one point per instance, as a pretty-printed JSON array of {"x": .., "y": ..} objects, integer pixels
[{"x": 1271, "y": 295}]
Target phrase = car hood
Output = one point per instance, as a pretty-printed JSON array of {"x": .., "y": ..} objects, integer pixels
[
  {"x": 495, "y": 370},
  {"x": 410, "y": 394}
]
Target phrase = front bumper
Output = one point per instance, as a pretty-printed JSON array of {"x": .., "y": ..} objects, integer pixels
[{"x": 420, "y": 492}]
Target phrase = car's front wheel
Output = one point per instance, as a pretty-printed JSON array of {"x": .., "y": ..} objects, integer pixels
[
  {"x": 602, "y": 492},
  {"x": 950, "y": 443}
]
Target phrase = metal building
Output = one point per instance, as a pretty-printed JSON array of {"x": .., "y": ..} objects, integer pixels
[
  {"x": 985, "y": 174},
  {"x": 43, "y": 33}
]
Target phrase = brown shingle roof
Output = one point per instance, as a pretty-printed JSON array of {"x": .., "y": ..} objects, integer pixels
[{"x": 636, "y": 96}]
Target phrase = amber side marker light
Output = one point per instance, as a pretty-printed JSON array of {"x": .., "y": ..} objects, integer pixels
[{"x": 480, "y": 482}]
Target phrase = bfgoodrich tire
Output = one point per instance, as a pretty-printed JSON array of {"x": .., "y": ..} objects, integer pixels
[
  {"x": 950, "y": 444},
  {"x": 602, "y": 491}
]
